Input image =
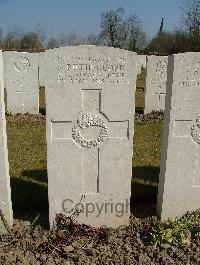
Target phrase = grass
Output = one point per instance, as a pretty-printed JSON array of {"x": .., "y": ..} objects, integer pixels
[
  {"x": 139, "y": 96},
  {"x": 27, "y": 159},
  {"x": 146, "y": 167}
]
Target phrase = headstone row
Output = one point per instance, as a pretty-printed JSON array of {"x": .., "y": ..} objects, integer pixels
[
  {"x": 90, "y": 101},
  {"x": 89, "y": 110},
  {"x": 23, "y": 74}
]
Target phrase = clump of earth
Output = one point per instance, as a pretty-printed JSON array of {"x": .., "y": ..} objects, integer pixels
[{"x": 153, "y": 116}]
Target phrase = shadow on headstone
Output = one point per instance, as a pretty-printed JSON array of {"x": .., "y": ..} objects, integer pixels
[{"x": 144, "y": 191}]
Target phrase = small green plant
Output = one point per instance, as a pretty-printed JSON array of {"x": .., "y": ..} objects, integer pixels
[
  {"x": 172, "y": 232},
  {"x": 192, "y": 222},
  {"x": 8, "y": 113}
]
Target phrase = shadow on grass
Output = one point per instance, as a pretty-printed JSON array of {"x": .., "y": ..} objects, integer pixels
[
  {"x": 147, "y": 174},
  {"x": 42, "y": 110},
  {"x": 139, "y": 110},
  {"x": 29, "y": 199},
  {"x": 144, "y": 191},
  {"x": 42, "y": 104},
  {"x": 37, "y": 174}
]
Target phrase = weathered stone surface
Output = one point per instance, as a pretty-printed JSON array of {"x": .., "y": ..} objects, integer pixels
[
  {"x": 21, "y": 75},
  {"x": 90, "y": 110},
  {"x": 42, "y": 67},
  {"x": 179, "y": 187},
  {"x": 155, "y": 84},
  {"x": 5, "y": 194}
]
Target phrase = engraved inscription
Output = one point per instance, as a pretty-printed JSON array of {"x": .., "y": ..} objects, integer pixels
[
  {"x": 85, "y": 121},
  {"x": 160, "y": 73},
  {"x": 195, "y": 131},
  {"x": 90, "y": 70},
  {"x": 161, "y": 67},
  {"x": 191, "y": 73}
]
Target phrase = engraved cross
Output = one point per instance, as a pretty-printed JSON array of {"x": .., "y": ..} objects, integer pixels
[
  {"x": 21, "y": 92},
  {"x": 185, "y": 128},
  {"x": 90, "y": 131},
  {"x": 160, "y": 95}
]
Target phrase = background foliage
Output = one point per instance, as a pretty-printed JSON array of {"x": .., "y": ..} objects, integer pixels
[{"x": 117, "y": 30}]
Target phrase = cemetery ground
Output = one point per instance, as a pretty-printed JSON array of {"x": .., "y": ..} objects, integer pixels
[{"x": 175, "y": 242}]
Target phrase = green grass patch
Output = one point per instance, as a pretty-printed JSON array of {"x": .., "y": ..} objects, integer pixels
[
  {"x": 146, "y": 167},
  {"x": 139, "y": 101},
  {"x": 27, "y": 160}
]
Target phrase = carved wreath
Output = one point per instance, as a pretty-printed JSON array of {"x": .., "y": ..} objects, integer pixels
[
  {"x": 22, "y": 64},
  {"x": 86, "y": 121},
  {"x": 195, "y": 131}
]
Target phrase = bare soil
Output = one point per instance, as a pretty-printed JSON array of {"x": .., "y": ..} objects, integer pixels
[{"x": 72, "y": 243}]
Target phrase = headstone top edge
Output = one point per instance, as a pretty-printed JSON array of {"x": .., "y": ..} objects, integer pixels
[
  {"x": 17, "y": 52},
  {"x": 157, "y": 56},
  {"x": 92, "y": 46}
]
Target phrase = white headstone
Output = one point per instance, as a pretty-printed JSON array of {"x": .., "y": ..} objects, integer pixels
[
  {"x": 90, "y": 123},
  {"x": 42, "y": 67},
  {"x": 141, "y": 62},
  {"x": 155, "y": 84},
  {"x": 21, "y": 75},
  {"x": 179, "y": 187},
  {"x": 5, "y": 193},
  {"x": 4, "y": 68}
]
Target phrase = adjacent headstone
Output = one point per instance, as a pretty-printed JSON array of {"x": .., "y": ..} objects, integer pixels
[
  {"x": 141, "y": 62},
  {"x": 42, "y": 68},
  {"x": 155, "y": 84},
  {"x": 5, "y": 193},
  {"x": 21, "y": 75},
  {"x": 179, "y": 187},
  {"x": 4, "y": 67},
  {"x": 90, "y": 123}
]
